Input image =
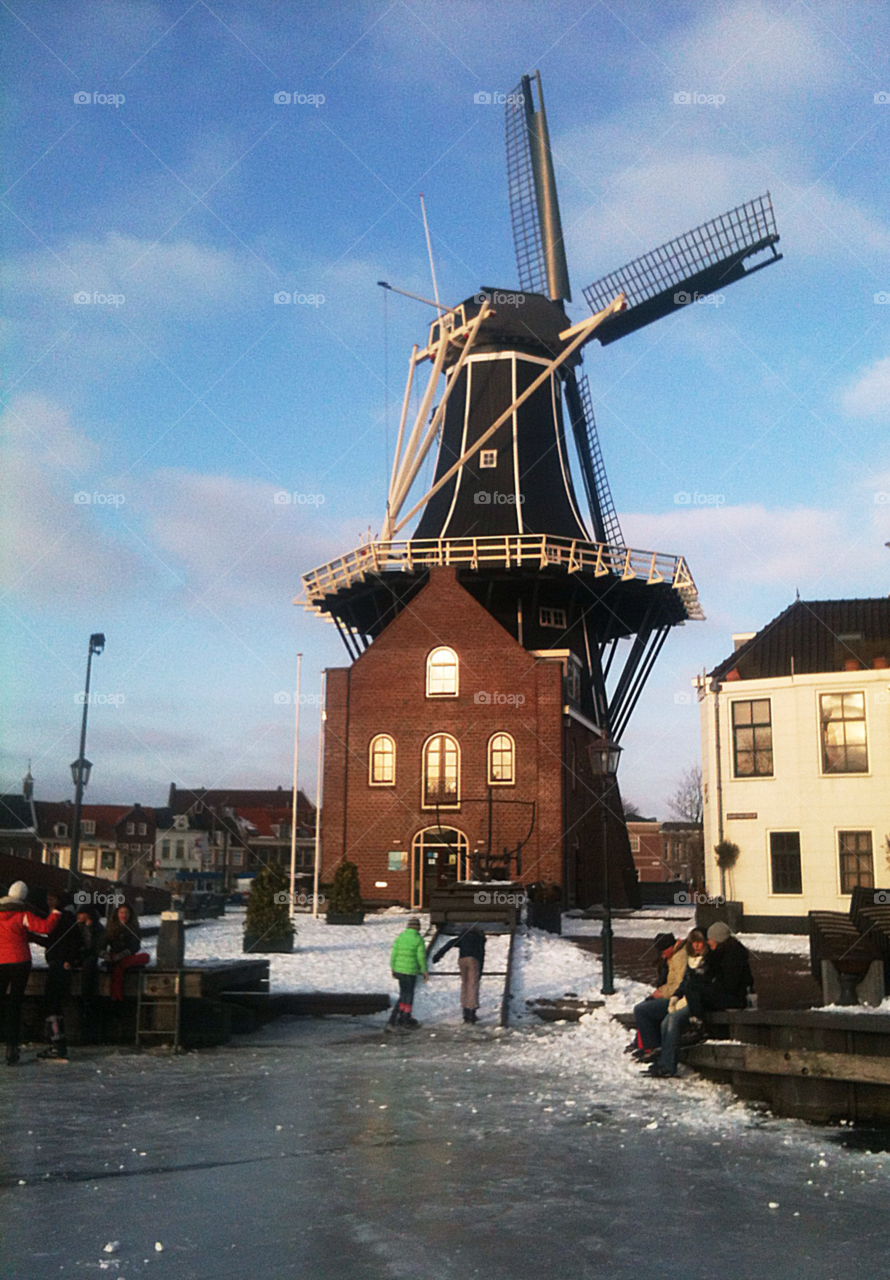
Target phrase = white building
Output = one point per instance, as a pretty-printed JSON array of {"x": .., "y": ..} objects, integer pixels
[{"x": 796, "y": 761}]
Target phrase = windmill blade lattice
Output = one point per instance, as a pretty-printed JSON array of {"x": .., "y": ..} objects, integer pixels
[
  {"x": 705, "y": 259},
  {"x": 524, "y": 214},
  {"x": 599, "y": 496}
]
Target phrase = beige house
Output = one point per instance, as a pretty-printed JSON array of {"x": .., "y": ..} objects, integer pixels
[{"x": 795, "y": 732}]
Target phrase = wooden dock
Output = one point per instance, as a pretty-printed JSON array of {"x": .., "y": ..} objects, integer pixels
[{"x": 805, "y": 1063}]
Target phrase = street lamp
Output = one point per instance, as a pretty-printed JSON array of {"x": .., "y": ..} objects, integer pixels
[
  {"x": 80, "y": 768},
  {"x": 604, "y": 756}
]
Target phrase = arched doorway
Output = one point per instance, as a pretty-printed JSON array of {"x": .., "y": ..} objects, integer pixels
[{"x": 439, "y": 857}]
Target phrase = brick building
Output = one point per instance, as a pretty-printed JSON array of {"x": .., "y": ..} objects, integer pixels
[{"x": 446, "y": 740}]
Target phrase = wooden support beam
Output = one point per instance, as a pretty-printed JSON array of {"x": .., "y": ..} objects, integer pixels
[{"x": 813, "y": 1064}]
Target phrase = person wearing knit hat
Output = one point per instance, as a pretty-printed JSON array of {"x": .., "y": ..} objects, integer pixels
[
  {"x": 722, "y": 982},
  {"x": 15, "y": 960},
  {"x": 408, "y": 959}
]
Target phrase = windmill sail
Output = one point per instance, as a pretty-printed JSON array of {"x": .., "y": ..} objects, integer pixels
[
  {"x": 599, "y": 496},
  {"x": 534, "y": 207},
  {"x": 705, "y": 259}
]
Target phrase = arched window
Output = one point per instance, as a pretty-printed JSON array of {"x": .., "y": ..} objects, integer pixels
[
  {"x": 441, "y": 673},
  {"x": 382, "y": 761},
  {"x": 501, "y": 760},
  {"x": 441, "y": 772}
]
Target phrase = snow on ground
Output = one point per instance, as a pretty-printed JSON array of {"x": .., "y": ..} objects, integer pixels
[{"x": 679, "y": 920}]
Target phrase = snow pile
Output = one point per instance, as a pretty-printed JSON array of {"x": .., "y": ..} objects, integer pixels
[{"x": 679, "y": 921}]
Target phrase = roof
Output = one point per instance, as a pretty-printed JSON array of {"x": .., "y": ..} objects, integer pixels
[
  {"x": 245, "y": 803},
  {"x": 814, "y": 636},
  {"x": 106, "y": 817},
  {"x": 16, "y": 813}
]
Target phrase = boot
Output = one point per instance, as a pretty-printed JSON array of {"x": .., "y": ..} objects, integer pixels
[
  {"x": 12, "y": 1054},
  {"x": 473, "y": 1017},
  {"x": 468, "y": 1015}
]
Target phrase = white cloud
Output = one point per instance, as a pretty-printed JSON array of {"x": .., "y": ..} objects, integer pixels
[
  {"x": 869, "y": 395},
  {"x": 233, "y": 543},
  {"x": 728, "y": 548},
  {"x": 178, "y": 276},
  {"x": 55, "y": 542},
  {"x": 753, "y": 48}
]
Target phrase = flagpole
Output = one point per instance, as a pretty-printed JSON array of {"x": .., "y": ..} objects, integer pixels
[
  {"x": 321, "y": 720},
  {"x": 293, "y": 820}
]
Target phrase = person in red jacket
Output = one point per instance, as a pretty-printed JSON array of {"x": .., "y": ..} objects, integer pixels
[{"x": 15, "y": 960}]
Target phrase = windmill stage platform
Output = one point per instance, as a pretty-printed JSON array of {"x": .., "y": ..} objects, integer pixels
[{"x": 364, "y": 589}]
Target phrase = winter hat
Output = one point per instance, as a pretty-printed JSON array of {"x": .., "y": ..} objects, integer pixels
[
  {"x": 18, "y": 890},
  {"x": 413, "y": 922},
  {"x": 663, "y": 941},
  {"x": 719, "y": 932}
]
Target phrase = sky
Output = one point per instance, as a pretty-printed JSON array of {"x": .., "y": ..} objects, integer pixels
[{"x": 156, "y": 198}]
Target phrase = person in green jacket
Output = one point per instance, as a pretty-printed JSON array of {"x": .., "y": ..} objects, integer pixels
[{"x": 408, "y": 959}]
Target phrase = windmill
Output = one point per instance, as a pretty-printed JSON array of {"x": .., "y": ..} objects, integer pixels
[{"x": 502, "y": 508}]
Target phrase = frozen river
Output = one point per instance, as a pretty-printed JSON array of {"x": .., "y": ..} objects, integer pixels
[{"x": 328, "y": 1149}]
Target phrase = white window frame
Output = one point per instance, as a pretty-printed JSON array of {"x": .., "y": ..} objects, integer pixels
[
  {"x": 859, "y": 831},
  {"x": 501, "y": 782},
  {"x": 750, "y": 777},
  {"x": 488, "y": 458},
  {"x": 376, "y": 782},
  {"x": 431, "y": 666},
  {"x": 88, "y": 826},
  {"x": 842, "y": 773}
]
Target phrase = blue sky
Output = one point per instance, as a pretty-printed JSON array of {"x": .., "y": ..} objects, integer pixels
[{"x": 185, "y": 404}]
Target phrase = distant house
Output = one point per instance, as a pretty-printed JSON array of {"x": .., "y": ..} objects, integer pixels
[
  {"x": 116, "y": 840},
  {"x": 795, "y": 731},
  {"x": 664, "y": 851},
  {"x": 246, "y": 829}
]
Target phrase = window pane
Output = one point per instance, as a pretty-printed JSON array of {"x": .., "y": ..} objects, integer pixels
[
  {"x": 752, "y": 738},
  {"x": 785, "y": 861},
  {"x": 854, "y": 705},
  {"x": 831, "y": 705}
]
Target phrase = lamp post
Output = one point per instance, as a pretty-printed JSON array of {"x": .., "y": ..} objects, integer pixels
[
  {"x": 80, "y": 768},
  {"x": 604, "y": 763}
]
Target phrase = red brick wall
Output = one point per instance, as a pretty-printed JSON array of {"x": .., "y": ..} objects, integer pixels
[{"x": 384, "y": 692}]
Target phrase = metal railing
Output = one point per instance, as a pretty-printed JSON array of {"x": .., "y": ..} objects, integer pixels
[{"x": 508, "y": 551}]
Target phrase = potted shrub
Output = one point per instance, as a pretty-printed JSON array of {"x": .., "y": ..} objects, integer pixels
[
  {"x": 345, "y": 901},
  {"x": 267, "y": 924},
  {"x": 544, "y": 906}
]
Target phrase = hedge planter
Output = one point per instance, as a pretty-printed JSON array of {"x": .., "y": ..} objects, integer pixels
[
  {"x": 345, "y": 917},
  {"x": 261, "y": 945}
]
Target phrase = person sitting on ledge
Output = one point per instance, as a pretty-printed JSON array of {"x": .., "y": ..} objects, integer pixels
[
  {"x": 722, "y": 982},
  {"x": 120, "y": 945},
  {"x": 649, "y": 1014}
]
